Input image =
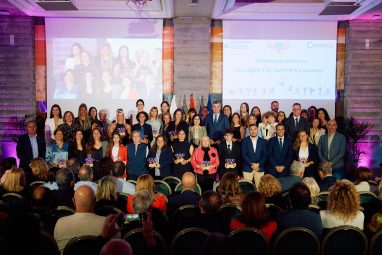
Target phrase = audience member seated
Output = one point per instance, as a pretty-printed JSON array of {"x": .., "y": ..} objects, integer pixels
[
  {"x": 270, "y": 187},
  {"x": 119, "y": 171},
  {"x": 311, "y": 183},
  {"x": 102, "y": 168},
  {"x": 64, "y": 195},
  {"x": 52, "y": 184},
  {"x": 254, "y": 214},
  {"x": 40, "y": 170},
  {"x": 83, "y": 222},
  {"x": 74, "y": 165},
  {"x": 210, "y": 218},
  {"x": 106, "y": 194},
  {"x": 230, "y": 189},
  {"x": 146, "y": 182},
  {"x": 327, "y": 179},
  {"x": 14, "y": 183},
  {"x": 186, "y": 197},
  {"x": 5, "y": 167},
  {"x": 85, "y": 174},
  {"x": 41, "y": 206},
  {"x": 296, "y": 173},
  {"x": 363, "y": 175},
  {"x": 343, "y": 206},
  {"x": 299, "y": 215}
]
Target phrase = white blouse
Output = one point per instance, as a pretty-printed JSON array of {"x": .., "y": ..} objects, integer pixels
[{"x": 50, "y": 128}]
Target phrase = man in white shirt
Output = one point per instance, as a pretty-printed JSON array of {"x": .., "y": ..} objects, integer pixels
[
  {"x": 123, "y": 186},
  {"x": 83, "y": 222}
]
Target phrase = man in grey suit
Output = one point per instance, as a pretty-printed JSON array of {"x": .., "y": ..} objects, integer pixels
[{"x": 331, "y": 148}]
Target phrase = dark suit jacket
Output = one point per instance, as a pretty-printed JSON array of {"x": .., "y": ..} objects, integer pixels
[
  {"x": 186, "y": 197},
  {"x": 224, "y": 154},
  {"x": 287, "y": 182},
  {"x": 291, "y": 130},
  {"x": 277, "y": 157},
  {"x": 337, "y": 150},
  {"x": 326, "y": 183},
  {"x": 216, "y": 131},
  {"x": 313, "y": 156},
  {"x": 248, "y": 156},
  {"x": 147, "y": 128},
  {"x": 24, "y": 150},
  {"x": 165, "y": 161}
]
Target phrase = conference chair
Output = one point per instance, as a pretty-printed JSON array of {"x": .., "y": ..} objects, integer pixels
[
  {"x": 138, "y": 243},
  {"x": 228, "y": 213},
  {"x": 162, "y": 187},
  {"x": 172, "y": 181},
  {"x": 48, "y": 245},
  {"x": 250, "y": 241},
  {"x": 376, "y": 244},
  {"x": 82, "y": 245},
  {"x": 344, "y": 240},
  {"x": 296, "y": 241},
  {"x": 185, "y": 216},
  {"x": 189, "y": 241},
  {"x": 197, "y": 189}
]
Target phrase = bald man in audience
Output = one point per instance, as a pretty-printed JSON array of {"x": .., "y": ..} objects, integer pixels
[
  {"x": 83, "y": 222},
  {"x": 186, "y": 197},
  {"x": 117, "y": 247}
]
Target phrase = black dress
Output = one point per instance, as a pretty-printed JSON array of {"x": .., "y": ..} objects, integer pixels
[
  {"x": 174, "y": 129},
  {"x": 236, "y": 132},
  {"x": 121, "y": 128},
  {"x": 181, "y": 150},
  {"x": 75, "y": 153}
]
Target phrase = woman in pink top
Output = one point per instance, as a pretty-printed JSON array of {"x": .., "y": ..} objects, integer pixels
[
  {"x": 254, "y": 214},
  {"x": 205, "y": 162}
]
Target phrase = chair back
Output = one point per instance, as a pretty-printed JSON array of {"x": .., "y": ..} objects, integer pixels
[
  {"x": 48, "y": 245},
  {"x": 62, "y": 211},
  {"x": 138, "y": 242},
  {"x": 286, "y": 199},
  {"x": 172, "y": 181},
  {"x": 197, "y": 189},
  {"x": 185, "y": 216},
  {"x": 15, "y": 201},
  {"x": 228, "y": 213},
  {"x": 35, "y": 184},
  {"x": 83, "y": 245},
  {"x": 322, "y": 199},
  {"x": 376, "y": 244},
  {"x": 189, "y": 241},
  {"x": 296, "y": 241},
  {"x": 366, "y": 196},
  {"x": 273, "y": 210},
  {"x": 246, "y": 186},
  {"x": 162, "y": 187},
  {"x": 242, "y": 237},
  {"x": 344, "y": 240}
]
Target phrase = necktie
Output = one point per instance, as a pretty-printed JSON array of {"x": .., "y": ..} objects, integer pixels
[
  {"x": 215, "y": 119},
  {"x": 229, "y": 148},
  {"x": 142, "y": 132},
  {"x": 281, "y": 144},
  {"x": 296, "y": 122}
]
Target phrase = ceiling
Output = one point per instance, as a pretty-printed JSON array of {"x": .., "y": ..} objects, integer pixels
[{"x": 217, "y": 9}]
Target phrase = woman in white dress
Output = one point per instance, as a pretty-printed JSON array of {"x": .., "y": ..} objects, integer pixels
[{"x": 52, "y": 123}]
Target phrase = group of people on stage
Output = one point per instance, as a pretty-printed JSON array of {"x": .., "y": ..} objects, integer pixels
[{"x": 247, "y": 143}]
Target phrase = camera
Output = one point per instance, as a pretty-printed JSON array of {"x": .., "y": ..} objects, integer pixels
[{"x": 134, "y": 217}]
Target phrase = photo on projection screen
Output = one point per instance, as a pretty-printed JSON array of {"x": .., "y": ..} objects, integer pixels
[
  {"x": 285, "y": 61},
  {"x": 104, "y": 63}
]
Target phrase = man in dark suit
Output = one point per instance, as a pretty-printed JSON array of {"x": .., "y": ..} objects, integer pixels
[
  {"x": 30, "y": 146},
  {"x": 229, "y": 155},
  {"x": 296, "y": 123},
  {"x": 253, "y": 155},
  {"x": 331, "y": 148},
  {"x": 186, "y": 197},
  {"x": 279, "y": 153},
  {"x": 216, "y": 124}
]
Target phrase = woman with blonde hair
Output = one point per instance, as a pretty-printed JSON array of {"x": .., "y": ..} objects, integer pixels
[
  {"x": 270, "y": 187},
  {"x": 306, "y": 153},
  {"x": 40, "y": 169},
  {"x": 313, "y": 187},
  {"x": 343, "y": 206},
  {"x": 230, "y": 189},
  {"x": 14, "y": 182},
  {"x": 106, "y": 194},
  {"x": 146, "y": 182}
]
